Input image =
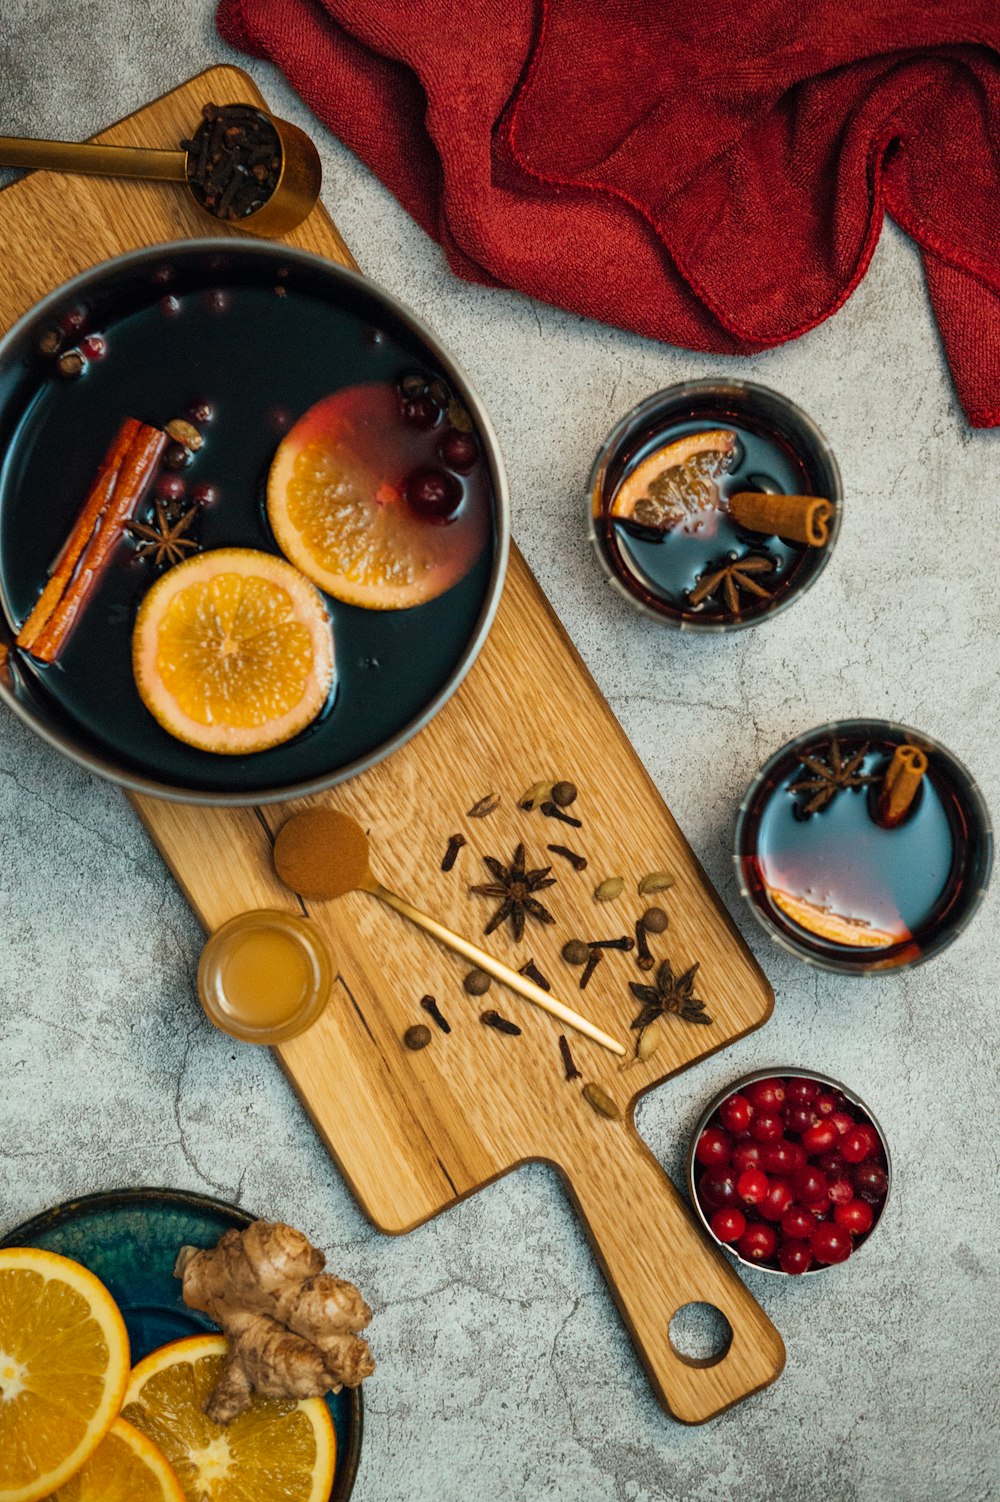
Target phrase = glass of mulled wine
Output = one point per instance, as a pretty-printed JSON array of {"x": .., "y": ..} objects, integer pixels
[
  {"x": 714, "y": 504},
  {"x": 863, "y": 845}
]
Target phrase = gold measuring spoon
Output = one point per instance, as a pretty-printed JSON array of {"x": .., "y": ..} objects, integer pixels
[
  {"x": 296, "y": 191},
  {"x": 323, "y": 853}
]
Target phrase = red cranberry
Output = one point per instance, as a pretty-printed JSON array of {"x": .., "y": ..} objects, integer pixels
[
  {"x": 717, "y": 1188},
  {"x": 831, "y": 1164},
  {"x": 841, "y": 1191},
  {"x": 826, "y": 1104},
  {"x": 714, "y": 1148},
  {"x": 830, "y": 1243},
  {"x": 170, "y": 487},
  {"x": 170, "y": 306},
  {"x": 797, "y": 1224},
  {"x": 856, "y": 1216},
  {"x": 176, "y": 456},
  {"x": 782, "y": 1157},
  {"x": 758, "y": 1242},
  {"x": 777, "y": 1200},
  {"x": 94, "y": 347},
  {"x": 842, "y": 1122},
  {"x": 766, "y": 1095},
  {"x": 459, "y": 451},
  {"x": 204, "y": 495},
  {"x": 746, "y": 1155},
  {"x": 433, "y": 493},
  {"x": 800, "y": 1092},
  {"x": 871, "y": 1182},
  {"x": 799, "y": 1118},
  {"x": 795, "y": 1257},
  {"x": 421, "y": 412},
  {"x": 811, "y": 1188},
  {"x": 728, "y": 1225},
  {"x": 751, "y": 1186},
  {"x": 766, "y": 1125},
  {"x": 856, "y": 1145},
  {"x": 72, "y": 321},
  {"x": 200, "y": 411},
  {"x": 735, "y": 1113},
  {"x": 820, "y": 1137}
]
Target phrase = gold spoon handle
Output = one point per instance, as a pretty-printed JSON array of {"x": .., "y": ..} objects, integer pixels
[
  {"x": 496, "y": 968},
  {"x": 100, "y": 161}
]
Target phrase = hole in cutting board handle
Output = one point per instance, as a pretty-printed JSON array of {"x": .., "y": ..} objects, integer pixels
[{"x": 700, "y": 1334}]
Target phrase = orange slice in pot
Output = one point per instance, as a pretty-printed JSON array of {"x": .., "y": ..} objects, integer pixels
[
  {"x": 233, "y": 652},
  {"x": 854, "y": 933},
  {"x": 125, "y": 1467},
  {"x": 64, "y": 1362},
  {"x": 677, "y": 483},
  {"x": 279, "y": 1450},
  {"x": 336, "y": 501}
]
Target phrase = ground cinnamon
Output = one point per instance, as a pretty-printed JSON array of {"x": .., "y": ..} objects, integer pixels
[
  {"x": 796, "y": 518},
  {"x": 121, "y": 483},
  {"x": 900, "y": 785}
]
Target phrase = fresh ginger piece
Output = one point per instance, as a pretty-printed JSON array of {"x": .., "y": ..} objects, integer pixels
[{"x": 292, "y": 1328}]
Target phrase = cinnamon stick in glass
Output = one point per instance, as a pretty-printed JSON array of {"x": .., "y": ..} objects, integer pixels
[
  {"x": 900, "y": 785},
  {"x": 795, "y": 518}
]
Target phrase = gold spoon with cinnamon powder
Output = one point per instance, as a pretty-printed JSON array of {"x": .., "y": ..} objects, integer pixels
[{"x": 323, "y": 853}]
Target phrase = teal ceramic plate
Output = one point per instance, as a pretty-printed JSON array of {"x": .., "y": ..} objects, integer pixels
[{"x": 129, "y": 1238}]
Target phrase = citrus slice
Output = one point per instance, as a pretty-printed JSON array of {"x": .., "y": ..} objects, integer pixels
[
  {"x": 232, "y": 651},
  {"x": 64, "y": 1362},
  {"x": 125, "y": 1467},
  {"x": 856, "y": 933},
  {"x": 277, "y": 1451},
  {"x": 677, "y": 483},
  {"x": 336, "y": 501}
]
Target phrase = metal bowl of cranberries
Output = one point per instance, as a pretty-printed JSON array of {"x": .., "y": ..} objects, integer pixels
[{"x": 789, "y": 1171}]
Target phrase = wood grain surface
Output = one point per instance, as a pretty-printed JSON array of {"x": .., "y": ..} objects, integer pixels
[{"x": 414, "y": 1132}]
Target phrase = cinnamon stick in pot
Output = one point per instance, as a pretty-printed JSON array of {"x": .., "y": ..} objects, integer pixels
[
  {"x": 795, "y": 518},
  {"x": 900, "y": 785}
]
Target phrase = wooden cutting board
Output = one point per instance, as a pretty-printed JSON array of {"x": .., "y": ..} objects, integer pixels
[{"x": 415, "y": 1132}]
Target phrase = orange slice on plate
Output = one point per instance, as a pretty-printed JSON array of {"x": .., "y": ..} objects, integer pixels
[
  {"x": 64, "y": 1361},
  {"x": 233, "y": 652},
  {"x": 277, "y": 1451},
  {"x": 125, "y": 1467},
  {"x": 336, "y": 501},
  {"x": 677, "y": 483},
  {"x": 855, "y": 933}
]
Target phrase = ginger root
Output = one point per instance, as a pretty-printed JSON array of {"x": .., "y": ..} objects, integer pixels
[{"x": 292, "y": 1328}]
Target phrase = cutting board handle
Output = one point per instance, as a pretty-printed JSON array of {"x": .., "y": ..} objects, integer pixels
[{"x": 656, "y": 1259}]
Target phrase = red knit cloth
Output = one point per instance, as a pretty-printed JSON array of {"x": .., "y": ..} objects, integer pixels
[{"x": 708, "y": 172}]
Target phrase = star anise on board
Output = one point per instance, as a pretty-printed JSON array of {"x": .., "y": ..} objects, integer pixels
[
  {"x": 670, "y": 994},
  {"x": 830, "y": 773},
  {"x": 732, "y": 578},
  {"x": 515, "y": 887},
  {"x": 162, "y": 538}
]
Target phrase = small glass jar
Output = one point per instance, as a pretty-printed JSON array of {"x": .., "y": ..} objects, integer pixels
[
  {"x": 837, "y": 888},
  {"x": 777, "y": 450},
  {"x": 265, "y": 976}
]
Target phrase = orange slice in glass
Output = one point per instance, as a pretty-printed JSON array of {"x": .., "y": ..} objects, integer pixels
[
  {"x": 64, "y": 1361},
  {"x": 856, "y": 933},
  {"x": 277, "y": 1451},
  {"x": 233, "y": 652},
  {"x": 125, "y": 1467},
  {"x": 677, "y": 483},
  {"x": 337, "y": 505}
]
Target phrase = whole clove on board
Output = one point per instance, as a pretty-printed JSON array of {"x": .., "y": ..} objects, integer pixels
[
  {"x": 430, "y": 1006},
  {"x": 578, "y": 862},
  {"x": 569, "y": 1063},
  {"x": 233, "y": 160},
  {"x": 531, "y": 970},
  {"x": 455, "y": 843},
  {"x": 626, "y": 943},
  {"x": 553, "y": 811},
  {"x": 593, "y": 960},
  {"x": 502, "y": 1024}
]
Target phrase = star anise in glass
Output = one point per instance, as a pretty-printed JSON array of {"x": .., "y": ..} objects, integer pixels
[
  {"x": 732, "y": 578},
  {"x": 163, "y": 538},
  {"x": 830, "y": 773},
  {"x": 670, "y": 994},
  {"x": 515, "y": 887}
]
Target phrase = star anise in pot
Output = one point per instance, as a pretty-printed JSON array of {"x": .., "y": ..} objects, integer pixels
[
  {"x": 830, "y": 773},
  {"x": 515, "y": 887},
  {"x": 163, "y": 538},
  {"x": 669, "y": 994}
]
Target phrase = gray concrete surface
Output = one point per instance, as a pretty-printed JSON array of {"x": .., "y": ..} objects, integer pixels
[{"x": 504, "y": 1371}]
